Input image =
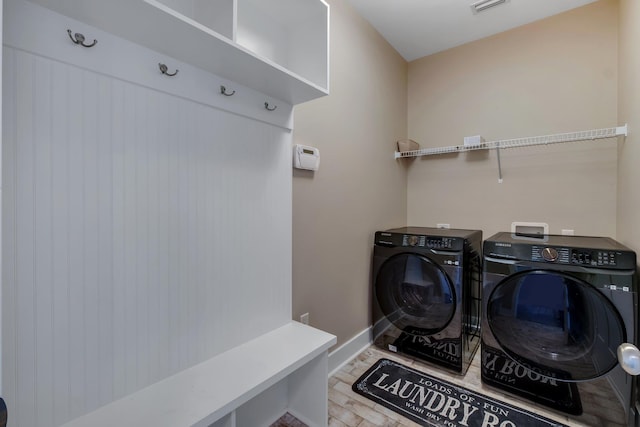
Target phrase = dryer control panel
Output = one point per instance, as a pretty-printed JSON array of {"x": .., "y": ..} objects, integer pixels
[
  {"x": 418, "y": 241},
  {"x": 427, "y": 241}
]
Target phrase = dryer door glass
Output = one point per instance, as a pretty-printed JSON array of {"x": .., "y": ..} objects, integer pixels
[
  {"x": 549, "y": 321},
  {"x": 415, "y": 294}
]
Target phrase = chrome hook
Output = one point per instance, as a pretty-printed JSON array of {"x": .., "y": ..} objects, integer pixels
[
  {"x": 266, "y": 105},
  {"x": 78, "y": 38},
  {"x": 163, "y": 70},
  {"x": 223, "y": 90}
]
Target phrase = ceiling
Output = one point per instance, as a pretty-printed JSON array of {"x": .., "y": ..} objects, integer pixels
[{"x": 417, "y": 28}]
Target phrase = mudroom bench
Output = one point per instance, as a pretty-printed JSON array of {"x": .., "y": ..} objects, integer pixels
[{"x": 253, "y": 384}]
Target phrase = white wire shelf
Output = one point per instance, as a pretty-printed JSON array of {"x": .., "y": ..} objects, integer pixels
[{"x": 588, "y": 135}]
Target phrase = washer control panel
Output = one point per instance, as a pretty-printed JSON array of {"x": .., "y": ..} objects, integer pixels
[
  {"x": 578, "y": 251},
  {"x": 599, "y": 258},
  {"x": 550, "y": 254},
  {"x": 586, "y": 257}
]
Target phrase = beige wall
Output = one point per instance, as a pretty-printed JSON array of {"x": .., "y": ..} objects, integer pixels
[
  {"x": 552, "y": 76},
  {"x": 359, "y": 187},
  {"x": 557, "y": 75},
  {"x": 629, "y": 112}
]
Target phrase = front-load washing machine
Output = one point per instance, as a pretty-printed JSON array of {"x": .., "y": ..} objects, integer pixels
[
  {"x": 426, "y": 294},
  {"x": 559, "y": 324}
]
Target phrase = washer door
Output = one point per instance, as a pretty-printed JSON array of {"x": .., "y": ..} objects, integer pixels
[
  {"x": 556, "y": 321},
  {"x": 415, "y": 294}
]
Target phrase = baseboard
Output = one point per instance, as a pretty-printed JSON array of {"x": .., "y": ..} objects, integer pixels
[{"x": 347, "y": 351}]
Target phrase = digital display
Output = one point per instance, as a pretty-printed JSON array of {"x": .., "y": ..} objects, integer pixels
[{"x": 305, "y": 151}]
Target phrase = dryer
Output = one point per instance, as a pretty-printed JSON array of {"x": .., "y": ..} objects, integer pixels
[
  {"x": 426, "y": 294},
  {"x": 559, "y": 324}
]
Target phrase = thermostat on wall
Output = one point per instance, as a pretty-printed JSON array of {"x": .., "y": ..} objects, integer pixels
[{"x": 305, "y": 157}]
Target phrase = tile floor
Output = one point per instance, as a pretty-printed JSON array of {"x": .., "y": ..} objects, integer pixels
[
  {"x": 348, "y": 409},
  {"x": 288, "y": 420}
]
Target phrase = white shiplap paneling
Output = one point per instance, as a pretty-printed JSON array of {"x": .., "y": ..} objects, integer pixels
[{"x": 143, "y": 233}]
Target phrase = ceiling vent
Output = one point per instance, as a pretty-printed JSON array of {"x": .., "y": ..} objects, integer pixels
[{"x": 483, "y": 5}]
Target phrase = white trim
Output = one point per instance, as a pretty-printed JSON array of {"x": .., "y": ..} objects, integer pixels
[{"x": 347, "y": 351}]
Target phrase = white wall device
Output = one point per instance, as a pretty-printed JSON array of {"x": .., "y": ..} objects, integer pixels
[
  {"x": 305, "y": 157},
  {"x": 470, "y": 141},
  {"x": 527, "y": 229}
]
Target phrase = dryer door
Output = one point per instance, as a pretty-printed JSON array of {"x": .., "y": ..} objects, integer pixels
[
  {"x": 415, "y": 294},
  {"x": 557, "y": 323}
]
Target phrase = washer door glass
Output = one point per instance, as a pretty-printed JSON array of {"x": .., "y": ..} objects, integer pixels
[
  {"x": 415, "y": 294},
  {"x": 556, "y": 321}
]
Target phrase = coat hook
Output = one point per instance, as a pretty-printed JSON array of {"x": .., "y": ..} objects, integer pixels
[
  {"x": 266, "y": 105},
  {"x": 163, "y": 70},
  {"x": 223, "y": 90},
  {"x": 79, "y": 39}
]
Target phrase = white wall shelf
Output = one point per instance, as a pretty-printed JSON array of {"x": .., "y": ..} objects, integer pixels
[
  {"x": 588, "y": 135},
  {"x": 282, "y": 371},
  {"x": 128, "y": 61},
  {"x": 281, "y": 51}
]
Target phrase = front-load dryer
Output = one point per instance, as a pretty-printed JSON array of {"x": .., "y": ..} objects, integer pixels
[
  {"x": 426, "y": 294},
  {"x": 559, "y": 324}
]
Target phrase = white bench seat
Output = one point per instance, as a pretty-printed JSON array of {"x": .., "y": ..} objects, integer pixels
[{"x": 291, "y": 360}]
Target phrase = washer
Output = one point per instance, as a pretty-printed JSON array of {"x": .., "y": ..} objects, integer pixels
[
  {"x": 426, "y": 294},
  {"x": 559, "y": 324}
]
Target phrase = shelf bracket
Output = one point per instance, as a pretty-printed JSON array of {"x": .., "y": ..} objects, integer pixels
[
  {"x": 499, "y": 163},
  {"x": 622, "y": 130}
]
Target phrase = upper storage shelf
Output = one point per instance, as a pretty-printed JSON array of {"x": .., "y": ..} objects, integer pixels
[
  {"x": 586, "y": 135},
  {"x": 279, "y": 47}
]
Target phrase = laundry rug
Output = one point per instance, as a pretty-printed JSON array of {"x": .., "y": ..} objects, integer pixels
[{"x": 430, "y": 401}]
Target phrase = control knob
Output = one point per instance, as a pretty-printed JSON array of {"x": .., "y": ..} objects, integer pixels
[{"x": 549, "y": 254}]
